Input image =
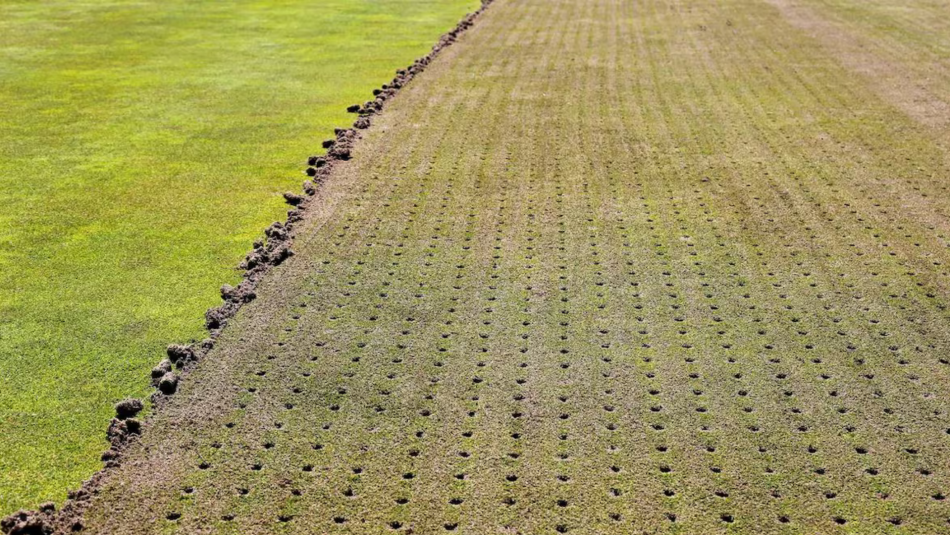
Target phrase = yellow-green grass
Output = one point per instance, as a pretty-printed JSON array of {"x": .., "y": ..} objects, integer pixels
[
  {"x": 914, "y": 33},
  {"x": 901, "y": 49},
  {"x": 143, "y": 147}
]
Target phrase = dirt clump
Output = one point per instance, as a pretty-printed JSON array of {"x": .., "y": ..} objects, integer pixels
[
  {"x": 294, "y": 199},
  {"x": 180, "y": 355},
  {"x": 128, "y": 408},
  {"x": 168, "y": 384},
  {"x": 30, "y": 522},
  {"x": 160, "y": 370},
  {"x": 118, "y": 434}
]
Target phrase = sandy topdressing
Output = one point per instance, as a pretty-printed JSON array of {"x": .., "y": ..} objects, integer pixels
[{"x": 605, "y": 267}]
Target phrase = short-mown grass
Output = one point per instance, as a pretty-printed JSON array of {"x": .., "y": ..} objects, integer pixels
[
  {"x": 143, "y": 147},
  {"x": 607, "y": 267}
]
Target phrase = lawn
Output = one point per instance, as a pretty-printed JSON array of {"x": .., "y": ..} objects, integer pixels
[
  {"x": 144, "y": 146},
  {"x": 606, "y": 267}
]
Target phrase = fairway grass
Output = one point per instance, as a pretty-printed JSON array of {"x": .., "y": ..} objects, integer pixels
[
  {"x": 606, "y": 267},
  {"x": 143, "y": 148}
]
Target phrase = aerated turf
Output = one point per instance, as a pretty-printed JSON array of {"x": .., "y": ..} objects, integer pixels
[
  {"x": 144, "y": 146},
  {"x": 605, "y": 267}
]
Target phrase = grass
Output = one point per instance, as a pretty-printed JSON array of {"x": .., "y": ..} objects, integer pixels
[
  {"x": 144, "y": 147},
  {"x": 607, "y": 266},
  {"x": 891, "y": 44}
]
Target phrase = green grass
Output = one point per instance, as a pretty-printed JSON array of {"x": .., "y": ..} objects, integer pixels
[{"x": 144, "y": 146}]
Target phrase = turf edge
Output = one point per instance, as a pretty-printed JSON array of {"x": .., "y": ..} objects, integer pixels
[{"x": 267, "y": 253}]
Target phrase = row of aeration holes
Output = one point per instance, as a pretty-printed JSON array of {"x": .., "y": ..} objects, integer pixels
[
  {"x": 806, "y": 346},
  {"x": 902, "y": 361},
  {"x": 425, "y": 413},
  {"x": 819, "y": 361},
  {"x": 566, "y": 286},
  {"x": 466, "y": 434},
  {"x": 663, "y": 448},
  {"x": 827, "y": 183},
  {"x": 872, "y": 273},
  {"x": 382, "y": 293},
  {"x": 858, "y": 449},
  {"x": 334, "y": 408}
]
